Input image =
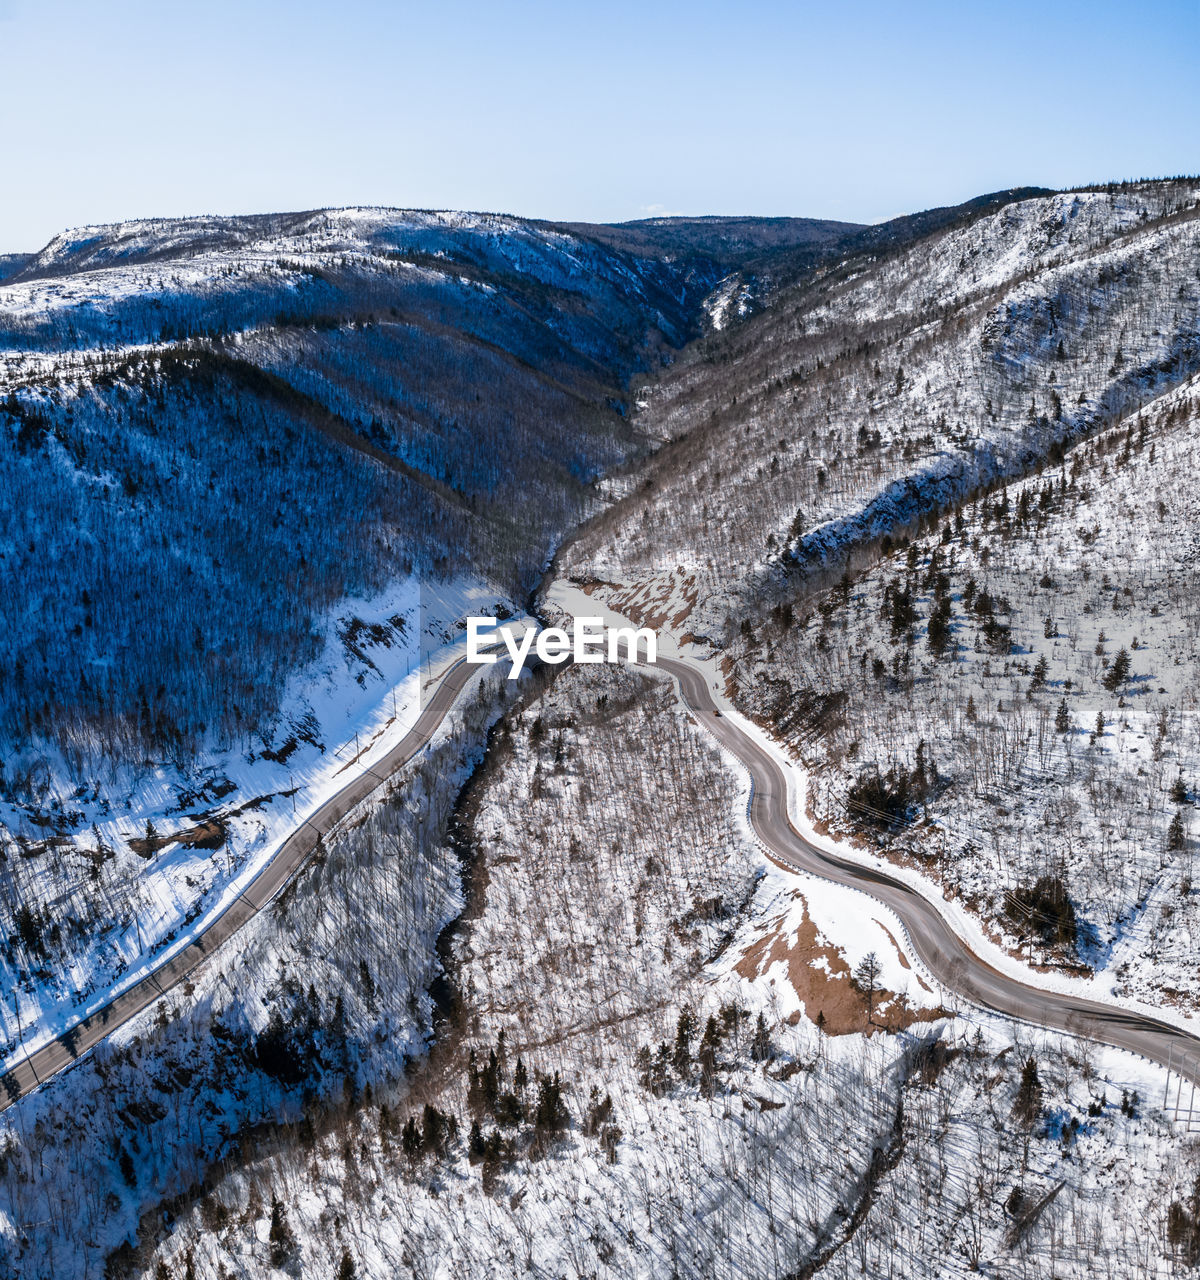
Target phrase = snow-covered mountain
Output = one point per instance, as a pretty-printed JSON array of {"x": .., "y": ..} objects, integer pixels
[
  {"x": 543, "y": 1007},
  {"x": 214, "y": 429},
  {"x": 894, "y": 380},
  {"x": 937, "y": 507}
]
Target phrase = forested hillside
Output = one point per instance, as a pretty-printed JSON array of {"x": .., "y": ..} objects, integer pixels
[
  {"x": 921, "y": 493},
  {"x": 1013, "y": 700},
  {"x": 649, "y": 1058},
  {"x": 253, "y": 466},
  {"x": 214, "y": 429},
  {"x": 899, "y": 380},
  {"x": 1003, "y": 416}
]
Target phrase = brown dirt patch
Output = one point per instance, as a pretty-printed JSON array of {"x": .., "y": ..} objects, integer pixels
[
  {"x": 42, "y": 846},
  {"x": 820, "y": 977},
  {"x": 665, "y": 600},
  {"x": 208, "y": 834}
]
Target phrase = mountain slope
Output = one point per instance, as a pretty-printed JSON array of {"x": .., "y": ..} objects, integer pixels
[
  {"x": 876, "y": 413},
  {"x": 1014, "y": 703},
  {"x": 216, "y": 428},
  {"x": 884, "y": 384}
]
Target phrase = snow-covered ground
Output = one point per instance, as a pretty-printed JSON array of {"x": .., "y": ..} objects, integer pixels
[
  {"x": 853, "y": 412},
  {"x": 817, "y": 809},
  {"x": 325, "y": 993},
  {"x": 583, "y": 945},
  {"x": 610, "y": 886},
  {"x": 1079, "y": 565},
  {"x": 613, "y": 901},
  {"x": 863, "y": 398},
  {"x": 339, "y": 718}
]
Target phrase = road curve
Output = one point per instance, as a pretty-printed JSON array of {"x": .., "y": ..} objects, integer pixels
[
  {"x": 55, "y": 1055},
  {"x": 934, "y": 940},
  {"x": 932, "y": 936}
]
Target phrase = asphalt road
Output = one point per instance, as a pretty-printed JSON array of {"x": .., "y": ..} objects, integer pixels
[
  {"x": 52, "y": 1057},
  {"x": 930, "y": 934}
]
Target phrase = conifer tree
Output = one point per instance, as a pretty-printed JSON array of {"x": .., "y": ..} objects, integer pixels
[{"x": 1029, "y": 1096}]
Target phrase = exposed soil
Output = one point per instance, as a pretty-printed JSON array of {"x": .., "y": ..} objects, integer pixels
[
  {"x": 664, "y": 602},
  {"x": 209, "y": 833},
  {"x": 820, "y": 977}
]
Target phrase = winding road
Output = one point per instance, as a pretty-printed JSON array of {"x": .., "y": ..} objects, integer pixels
[
  {"x": 55, "y": 1055},
  {"x": 931, "y": 935}
]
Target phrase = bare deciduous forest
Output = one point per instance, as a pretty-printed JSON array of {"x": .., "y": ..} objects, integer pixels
[{"x": 543, "y": 1006}]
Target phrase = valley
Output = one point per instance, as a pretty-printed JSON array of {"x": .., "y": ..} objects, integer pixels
[{"x": 855, "y": 935}]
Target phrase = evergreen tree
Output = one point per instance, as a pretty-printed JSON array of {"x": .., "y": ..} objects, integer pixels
[
  {"x": 707, "y": 1054},
  {"x": 1176, "y": 838},
  {"x": 599, "y": 1112},
  {"x": 866, "y": 979},
  {"x": 1118, "y": 671},
  {"x": 1040, "y": 671},
  {"x": 550, "y": 1115},
  {"x": 939, "y": 632},
  {"x": 476, "y": 1103},
  {"x": 280, "y": 1237},
  {"x": 685, "y": 1030},
  {"x": 1062, "y": 718},
  {"x": 410, "y": 1141},
  {"x": 491, "y": 1081},
  {"x": 760, "y": 1046},
  {"x": 1029, "y": 1096},
  {"x": 660, "y": 1073},
  {"x": 433, "y": 1127}
]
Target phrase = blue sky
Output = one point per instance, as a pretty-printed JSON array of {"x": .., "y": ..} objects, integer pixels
[{"x": 567, "y": 110}]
